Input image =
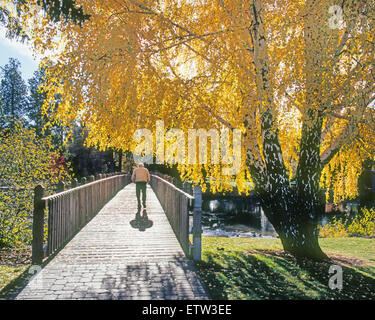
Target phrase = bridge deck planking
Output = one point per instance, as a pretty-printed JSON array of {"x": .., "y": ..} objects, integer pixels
[{"x": 110, "y": 259}]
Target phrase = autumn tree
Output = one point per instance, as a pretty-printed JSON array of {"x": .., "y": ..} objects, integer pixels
[
  {"x": 297, "y": 77},
  {"x": 36, "y": 100},
  {"x": 26, "y": 160}
]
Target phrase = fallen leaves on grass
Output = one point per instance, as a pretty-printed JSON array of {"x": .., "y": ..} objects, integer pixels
[
  {"x": 15, "y": 257},
  {"x": 335, "y": 258}
]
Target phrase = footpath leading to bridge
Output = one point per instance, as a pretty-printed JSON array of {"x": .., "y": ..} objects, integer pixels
[{"x": 114, "y": 257}]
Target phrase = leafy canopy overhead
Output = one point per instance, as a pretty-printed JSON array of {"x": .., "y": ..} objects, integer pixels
[{"x": 273, "y": 69}]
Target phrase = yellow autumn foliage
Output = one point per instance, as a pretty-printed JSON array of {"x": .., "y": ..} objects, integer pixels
[
  {"x": 196, "y": 64},
  {"x": 362, "y": 225},
  {"x": 26, "y": 160}
]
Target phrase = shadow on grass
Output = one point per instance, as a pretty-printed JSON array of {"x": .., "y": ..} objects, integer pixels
[
  {"x": 271, "y": 274},
  {"x": 15, "y": 286},
  {"x": 10, "y": 291}
]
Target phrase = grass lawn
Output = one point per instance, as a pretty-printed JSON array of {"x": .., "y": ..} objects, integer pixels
[
  {"x": 7, "y": 274},
  {"x": 252, "y": 268},
  {"x": 13, "y": 262}
]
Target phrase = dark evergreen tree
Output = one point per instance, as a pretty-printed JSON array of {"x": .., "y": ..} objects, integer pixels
[
  {"x": 87, "y": 161},
  {"x": 66, "y": 9},
  {"x": 13, "y": 93},
  {"x": 57, "y": 10},
  {"x": 36, "y": 100}
]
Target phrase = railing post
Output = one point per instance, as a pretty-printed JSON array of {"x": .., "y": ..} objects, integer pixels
[
  {"x": 84, "y": 213},
  {"x": 38, "y": 226},
  {"x": 60, "y": 186},
  {"x": 74, "y": 183},
  {"x": 197, "y": 224},
  {"x": 100, "y": 190},
  {"x": 74, "y": 207}
]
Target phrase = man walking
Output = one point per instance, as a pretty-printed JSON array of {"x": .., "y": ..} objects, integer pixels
[{"x": 141, "y": 176}]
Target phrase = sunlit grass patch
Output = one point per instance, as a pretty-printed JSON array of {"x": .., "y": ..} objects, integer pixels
[
  {"x": 13, "y": 262},
  {"x": 237, "y": 269},
  {"x": 7, "y": 274}
]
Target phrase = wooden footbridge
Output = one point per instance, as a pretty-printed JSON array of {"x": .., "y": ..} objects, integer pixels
[{"x": 91, "y": 242}]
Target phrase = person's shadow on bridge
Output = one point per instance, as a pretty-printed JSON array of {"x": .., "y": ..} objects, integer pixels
[{"x": 141, "y": 222}]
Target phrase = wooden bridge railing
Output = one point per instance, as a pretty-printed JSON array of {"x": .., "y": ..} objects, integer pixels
[
  {"x": 177, "y": 204},
  {"x": 70, "y": 210}
]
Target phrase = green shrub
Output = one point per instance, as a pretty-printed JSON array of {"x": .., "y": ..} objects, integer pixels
[
  {"x": 334, "y": 229},
  {"x": 25, "y": 161},
  {"x": 15, "y": 217},
  {"x": 362, "y": 225}
]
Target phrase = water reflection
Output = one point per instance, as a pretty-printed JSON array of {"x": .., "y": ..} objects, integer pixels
[
  {"x": 235, "y": 218},
  {"x": 241, "y": 217}
]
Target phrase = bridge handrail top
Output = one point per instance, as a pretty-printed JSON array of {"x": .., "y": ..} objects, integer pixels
[
  {"x": 189, "y": 196},
  {"x": 55, "y": 195}
]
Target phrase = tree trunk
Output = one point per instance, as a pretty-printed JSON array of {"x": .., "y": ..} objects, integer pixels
[
  {"x": 293, "y": 213},
  {"x": 301, "y": 240},
  {"x": 296, "y": 223}
]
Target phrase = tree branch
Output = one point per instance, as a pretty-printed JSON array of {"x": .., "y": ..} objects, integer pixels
[
  {"x": 344, "y": 39},
  {"x": 217, "y": 117},
  {"x": 346, "y": 135}
]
